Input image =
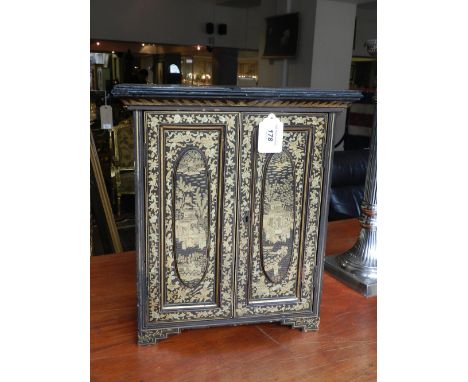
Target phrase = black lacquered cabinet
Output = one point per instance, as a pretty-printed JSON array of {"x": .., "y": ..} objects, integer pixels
[{"x": 225, "y": 234}]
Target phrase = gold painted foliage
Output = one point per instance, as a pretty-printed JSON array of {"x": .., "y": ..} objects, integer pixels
[
  {"x": 176, "y": 140},
  {"x": 191, "y": 129},
  {"x": 260, "y": 286}
]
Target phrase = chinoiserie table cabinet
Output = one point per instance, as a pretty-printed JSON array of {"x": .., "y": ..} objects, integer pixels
[{"x": 227, "y": 235}]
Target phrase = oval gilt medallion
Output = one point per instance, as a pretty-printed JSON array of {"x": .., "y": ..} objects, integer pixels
[
  {"x": 277, "y": 224},
  {"x": 191, "y": 191}
]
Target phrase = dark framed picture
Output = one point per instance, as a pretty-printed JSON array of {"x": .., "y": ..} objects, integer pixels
[{"x": 281, "y": 36}]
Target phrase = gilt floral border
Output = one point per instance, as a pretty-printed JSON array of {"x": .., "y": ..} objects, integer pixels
[
  {"x": 318, "y": 124},
  {"x": 230, "y": 121},
  {"x": 153, "y": 123}
]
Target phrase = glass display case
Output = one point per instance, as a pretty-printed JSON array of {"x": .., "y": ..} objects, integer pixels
[{"x": 196, "y": 70}]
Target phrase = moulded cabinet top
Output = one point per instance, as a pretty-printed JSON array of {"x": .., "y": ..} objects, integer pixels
[{"x": 142, "y": 91}]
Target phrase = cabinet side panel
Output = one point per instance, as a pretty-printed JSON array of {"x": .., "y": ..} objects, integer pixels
[
  {"x": 140, "y": 229},
  {"x": 327, "y": 175}
]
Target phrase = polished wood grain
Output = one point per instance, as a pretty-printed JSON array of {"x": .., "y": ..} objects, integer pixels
[{"x": 344, "y": 348}]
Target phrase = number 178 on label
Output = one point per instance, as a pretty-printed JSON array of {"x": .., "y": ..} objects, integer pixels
[{"x": 270, "y": 135}]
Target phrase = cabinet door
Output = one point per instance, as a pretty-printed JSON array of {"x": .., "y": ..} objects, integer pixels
[
  {"x": 190, "y": 198},
  {"x": 280, "y": 196}
]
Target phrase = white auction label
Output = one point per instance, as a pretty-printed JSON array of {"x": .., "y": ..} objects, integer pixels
[
  {"x": 270, "y": 135},
  {"x": 105, "y": 112}
]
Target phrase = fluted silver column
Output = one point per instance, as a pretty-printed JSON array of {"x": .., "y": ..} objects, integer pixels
[{"x": 357, "y": 267}]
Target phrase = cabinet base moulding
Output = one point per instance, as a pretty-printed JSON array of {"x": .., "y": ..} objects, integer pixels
[
  {"x": 304, "y": 324},
  {"x": 151, "y": 336}
]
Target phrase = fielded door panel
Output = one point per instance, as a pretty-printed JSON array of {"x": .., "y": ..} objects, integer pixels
[
  {"x": 279, "y": 198},
  {"x": 190, "y": 217}
]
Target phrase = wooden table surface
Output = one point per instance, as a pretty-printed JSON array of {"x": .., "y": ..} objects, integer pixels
[{"x": 344, "y": 348}]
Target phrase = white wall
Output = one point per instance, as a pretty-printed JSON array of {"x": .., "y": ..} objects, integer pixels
[
  {"x": 324, "y": 53},
  {"x": 298, "y": 68},
  {"x": 332, "y": 51},
  {"x": 333, "y": 44},
  {"x": 178, "y": 22},
  {"x": 325, "y": 45},
  {"x": 366, "y": 28},
  {"x": 269, "y": 71}
]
